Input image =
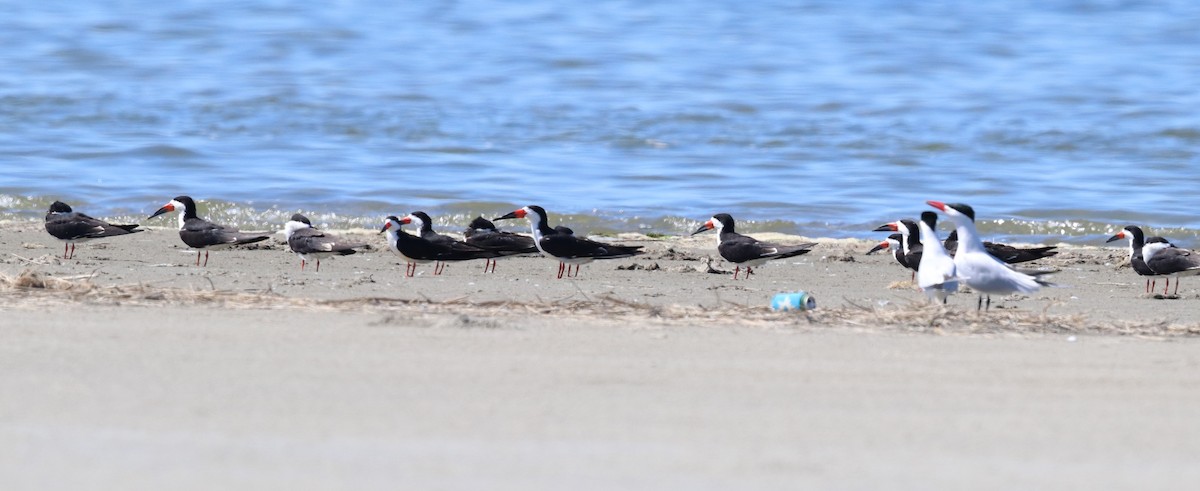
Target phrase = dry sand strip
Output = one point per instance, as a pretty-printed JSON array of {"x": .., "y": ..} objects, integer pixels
[{"x": 180, "y": 395}]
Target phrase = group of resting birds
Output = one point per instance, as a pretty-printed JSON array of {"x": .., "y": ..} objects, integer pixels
[
  {"x": 483, "y": 239},
  {"x": 983, "y": 266}
]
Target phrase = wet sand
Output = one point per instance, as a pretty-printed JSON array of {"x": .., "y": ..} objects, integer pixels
[{"x": 152, "y": 373}]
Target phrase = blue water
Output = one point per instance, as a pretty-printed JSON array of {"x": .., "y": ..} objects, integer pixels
[{"x": 1052, "y": 117}]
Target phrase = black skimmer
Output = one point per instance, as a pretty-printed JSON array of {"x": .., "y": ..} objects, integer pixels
[
  {"x": 71, "y": 227},
  {"x": 424, "y": 224},
  {"x": 201, "y": 234},
  {"x": 483, "y": 233},
  {"x": 566, "y": 247},
  {"x": 742, "y": 250},
  {"x": 1137, "y": 239},
  {"x": 910, "y": 242},
  {"x": 976, "y": 267},
  {"x": 937, "y": 275},
  {"x": 1005, "y": 252},
  {"x": 312, "y": 244},
  {"x": 892, "y": 243},
  {"x": 1167, "y": 260},
  {"x": 416, "y": 250}
]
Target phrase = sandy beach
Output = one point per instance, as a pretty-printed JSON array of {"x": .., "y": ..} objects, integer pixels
[{"x": 128, "y": 367}]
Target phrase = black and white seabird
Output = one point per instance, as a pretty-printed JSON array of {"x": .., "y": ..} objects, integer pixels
[
  {"x": 1137, "y": 239},
  {"x": 483, "y": 233},
  {"x": 911, "y": 247},
  {"x": 201, "y": 234},
  {"x": 1167, "y": 260},
  {"x": 1005, "y": 252},
  {"x": 312, "y": 244},
  {"x": 418, "y": 250},
  {"x": 747, "y": 251},
  {"x": 892, "y": 243},
  {"x": 978, "y": 269},
  {"x": 566, "y": 247},
  {"x": 937, "y": 275},
  {"x": 72, "y": 227}
]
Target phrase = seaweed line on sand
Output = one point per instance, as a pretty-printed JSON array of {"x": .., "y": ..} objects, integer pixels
[{"x": 31, "y": 288}]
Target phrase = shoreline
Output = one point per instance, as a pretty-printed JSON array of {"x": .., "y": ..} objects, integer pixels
[{"x": 677, "y": 280}]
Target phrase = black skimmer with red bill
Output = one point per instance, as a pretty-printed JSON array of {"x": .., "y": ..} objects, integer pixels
[
  {"x": 416, "y": 250},
  {"x": 483, "y": 233},
  {"x": 976, "y": 267},
  {"x": 937, "y": 275},
  {"x": 201, "y": 234},
  {"x": 566, "y": 247},
  {"x": 312, "y": 244},
  {"x": 892, "y": 243},
  {"x": 910, "y": 241},
  {"x": 747, "y": 251},
  {"x": 1005, "y": 252},
  {"x": 1137, "y": 239},
  {"x": 1167, "y": 260},
  {"x": 72, "y": 227}
]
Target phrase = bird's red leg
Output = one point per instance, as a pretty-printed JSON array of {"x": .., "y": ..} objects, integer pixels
[
  {"x": 197, "y": 258},
  {"x": 301, "y": 265},
  {"x": 736, "y": 269},
  {"x": 206, "y": 259},
  {"x": 561, "y": 265},
  {"x": 318, "y": 265}
]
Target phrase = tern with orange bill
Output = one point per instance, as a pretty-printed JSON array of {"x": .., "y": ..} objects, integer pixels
[{"x": 980, "y": 270}]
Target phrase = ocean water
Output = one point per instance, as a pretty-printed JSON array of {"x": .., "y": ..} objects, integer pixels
[{"x": 1056, "y": 119}]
